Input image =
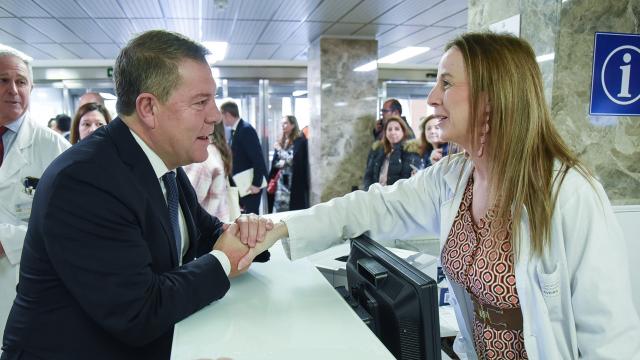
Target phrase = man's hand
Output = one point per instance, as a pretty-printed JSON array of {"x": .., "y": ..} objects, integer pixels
[
  {"x": 251, "y": 228},
  {"x": 253, "y": 189},
  {"x": 235, "y": 251},
  {"x": 278, "y": 232}
]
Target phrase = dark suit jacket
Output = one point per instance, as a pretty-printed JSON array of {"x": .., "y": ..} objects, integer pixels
[
  {"x": 247, "y": 152},
  {"x": 299, "y": 195},
  {"x": 99, "y": 277}
]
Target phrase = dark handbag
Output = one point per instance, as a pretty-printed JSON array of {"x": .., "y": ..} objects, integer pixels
[{"x": 273, "y": 183}]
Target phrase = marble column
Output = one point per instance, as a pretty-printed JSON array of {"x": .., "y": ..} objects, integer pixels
[
  {"x": 343, "y": 112},
  {"x": 608, "y": 145}
]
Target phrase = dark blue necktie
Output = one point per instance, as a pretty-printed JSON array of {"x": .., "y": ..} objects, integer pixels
[
  {"x": 171, "y": 187},
  {"x": 231, "y": 137}
]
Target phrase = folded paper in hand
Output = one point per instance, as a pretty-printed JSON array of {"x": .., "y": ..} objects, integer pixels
[{"x": 244, "y": 179}]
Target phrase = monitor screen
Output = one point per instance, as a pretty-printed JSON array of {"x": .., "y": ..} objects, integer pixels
[{"x": 399, "y": 301}]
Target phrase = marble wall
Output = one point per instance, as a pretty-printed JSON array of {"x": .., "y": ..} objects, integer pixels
[
  {"x": 610, "y": 146},
  {"x": 343, "y": 110}
]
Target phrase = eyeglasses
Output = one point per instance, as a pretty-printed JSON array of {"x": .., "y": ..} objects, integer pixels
[{"x": 385, "y": 110}]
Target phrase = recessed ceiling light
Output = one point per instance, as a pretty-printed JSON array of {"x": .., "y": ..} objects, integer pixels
[
  {"x": 218, "y": 50},
  {"x": 395, "y": 57}
]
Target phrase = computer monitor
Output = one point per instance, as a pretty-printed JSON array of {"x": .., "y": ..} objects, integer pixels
[{"x": 401, "y": 301}]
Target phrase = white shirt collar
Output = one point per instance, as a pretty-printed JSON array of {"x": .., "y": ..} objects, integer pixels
[
  {"x": 235, "y": 125},
  {"x": 14, "y": 126},
  {"x": 156, "y": 162}
]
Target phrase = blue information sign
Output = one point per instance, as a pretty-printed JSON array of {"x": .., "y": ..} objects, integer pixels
[{"x": 615, "y": 81}]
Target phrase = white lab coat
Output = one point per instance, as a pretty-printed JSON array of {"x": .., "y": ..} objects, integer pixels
[
  {"x": 576, "y": 299},
  {"x": 32, "y": 151}
]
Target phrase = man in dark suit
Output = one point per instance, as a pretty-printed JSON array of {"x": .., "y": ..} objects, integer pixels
[
  {"x": 247, "y": 154},
  {"x": 118, "y": 249}
]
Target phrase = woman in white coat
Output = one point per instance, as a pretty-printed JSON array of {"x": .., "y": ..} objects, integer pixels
[{"x": 534, "y": 255}]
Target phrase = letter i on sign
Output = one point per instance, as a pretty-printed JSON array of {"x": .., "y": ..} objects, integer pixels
[{"x": 626, "y": 71}]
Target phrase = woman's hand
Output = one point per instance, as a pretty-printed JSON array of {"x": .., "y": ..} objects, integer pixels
[{"x": 436, "y": 155}]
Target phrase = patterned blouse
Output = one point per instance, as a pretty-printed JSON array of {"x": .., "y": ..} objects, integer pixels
[{"x": 479, "y": 258}]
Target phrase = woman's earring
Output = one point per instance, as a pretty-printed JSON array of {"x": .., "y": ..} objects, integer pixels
[{"x": 483, "y": 136}]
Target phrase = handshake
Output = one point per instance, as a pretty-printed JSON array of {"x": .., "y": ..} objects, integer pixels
[{"x": 246, "y": 238}]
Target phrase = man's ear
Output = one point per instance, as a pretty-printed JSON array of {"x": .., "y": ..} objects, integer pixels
[{"x": 147, "y": 109}]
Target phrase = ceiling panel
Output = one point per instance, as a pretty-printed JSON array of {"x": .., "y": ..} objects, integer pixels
[
  {"x": 439, "y": 12},
  {"x": 373, "y": 30},
  {"x": 457, "y": 20},
  {"x": 102, "y": 8},
  {"x": 332, "y": 10},
  {"x": 405, "y": 11},
  {"x": 247, "y": 32},
  {"x": 387, "y": 50},
  {"x": 141, "y": 25},
  {"x": 369, "y": 10},
  {"x": 308, "y": 32},
  {"x": 238, "y": 51},
  {"x": 288, "y": 52},
  {"x": 23, "y": 8},
  {"x": 57, "y": 51},
  {"x": 279, "y": 31},
  {"x": 216, "y": 30},
  {"x": 22, "y": 30},
  {"x": 296, "y": 9},
  {"x": 141, "y": 8},
  {"x": 397, "y": 33},
  {"x": 342, "y": 29},
  {"x": 212, "y": 11},
  {"x": 187, "y": 27},
  {"x": 422, "y": 35},
  {"x": 180, "y": 9},
  {"x": 258, "y": 9},
  {"x": 108, "y": 51},
  {"x": 62, "y": 8},
  {"x": 32, "y": 51},
  {"x": 54, "y": 29},
  {"x": 263, "y": 51},
  {"x": 120, "y": 30},
  {"x": 85, "y": 51},
  {"x": 273, "y": 29},
  {"x": 441, "y": 40},
  {"x": 6, "y": 38},
  {"x": 88, "y": 30}
]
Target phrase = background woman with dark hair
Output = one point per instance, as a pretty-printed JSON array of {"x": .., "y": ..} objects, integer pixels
[
  {"x": 88, "y": 119},
  {"x": 291, "y": 164},
  {"x": 391, "y": 158},
  {"x": 432, "y": 148},
  {"x": 209, "y": 178}
]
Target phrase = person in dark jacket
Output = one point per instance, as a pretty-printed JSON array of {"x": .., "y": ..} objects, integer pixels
[
  {"x": 391, "y": 158},
  {"x": 290, "y": 165}
]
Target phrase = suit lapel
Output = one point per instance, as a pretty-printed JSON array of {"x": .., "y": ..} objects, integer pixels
[{"x": 144, "y": 177}]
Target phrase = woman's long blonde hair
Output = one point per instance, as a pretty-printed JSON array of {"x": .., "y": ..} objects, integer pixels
[{"x": 522, "y": 143}]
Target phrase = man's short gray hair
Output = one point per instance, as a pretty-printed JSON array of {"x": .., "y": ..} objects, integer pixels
[{"x": 7, "y": 51}]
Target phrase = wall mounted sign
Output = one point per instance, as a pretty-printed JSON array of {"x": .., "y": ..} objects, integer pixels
[{"x": 615, "y": 79}]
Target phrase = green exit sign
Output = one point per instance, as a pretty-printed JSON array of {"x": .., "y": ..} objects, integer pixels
[{"x": 110, "y": 72}]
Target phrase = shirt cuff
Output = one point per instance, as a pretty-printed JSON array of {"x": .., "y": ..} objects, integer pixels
[{"x": 223, "y": 259}]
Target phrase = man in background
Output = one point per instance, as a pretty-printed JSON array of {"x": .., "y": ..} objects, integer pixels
[
  {"x": 26, "y": 149},
  {"x": 89, "y": 97},
  {"x": 390, "y": 108},
  {"x": 247, "y": 154},
  {"x": 118, "y": 249}
]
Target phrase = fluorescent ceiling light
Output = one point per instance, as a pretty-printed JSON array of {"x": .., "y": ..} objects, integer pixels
[
  {"x": 299, "y": 93},
  {"x": 396, "y": 57},
  {"x": 23, "y": 55},
  {"x": 545, "y": 57},
  {"x": 218, "y": 50}
]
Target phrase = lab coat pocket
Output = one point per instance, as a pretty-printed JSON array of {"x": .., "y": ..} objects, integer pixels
[{"x": 550, "y": 285}]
